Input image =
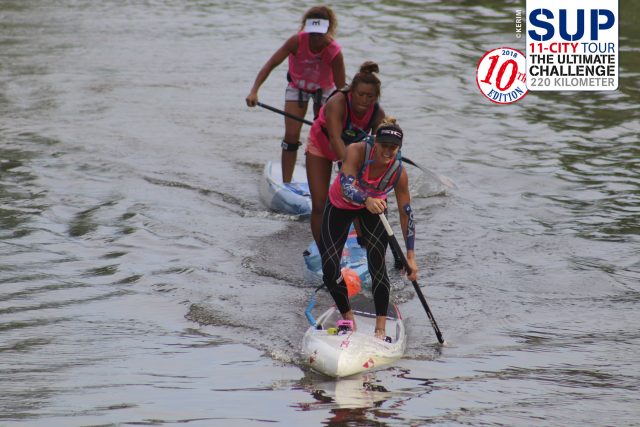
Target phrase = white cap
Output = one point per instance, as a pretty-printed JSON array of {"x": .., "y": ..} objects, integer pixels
[{"x": 316, "y": 25}]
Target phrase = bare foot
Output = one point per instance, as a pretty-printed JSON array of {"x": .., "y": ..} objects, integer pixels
[{"x": 380, "y": 333}]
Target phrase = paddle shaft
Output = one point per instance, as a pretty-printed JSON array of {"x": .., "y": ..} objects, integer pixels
[
  {"x": 284, "y": 113},
  {"x": 307, "y": 122},
  {"x": 394, "y": 243},
  {"x": 412, "y": 163}
]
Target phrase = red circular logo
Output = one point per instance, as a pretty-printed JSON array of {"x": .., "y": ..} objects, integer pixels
[{"x": 501, "y": 75}]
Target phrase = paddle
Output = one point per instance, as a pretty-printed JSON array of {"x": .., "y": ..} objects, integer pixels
[
  {"x": 394, "y": 243},
  {"x": 307, "y": 122},
  {"x": 284, "y": 113}
]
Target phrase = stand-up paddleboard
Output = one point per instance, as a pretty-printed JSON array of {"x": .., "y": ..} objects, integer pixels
[
  {"x": 341, "y": 353},
  {"x": 354, "y": 257},
  {"x": 292, "y": 198}
]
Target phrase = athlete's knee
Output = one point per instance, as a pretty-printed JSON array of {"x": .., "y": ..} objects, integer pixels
[{"x": 290, "y": 146}]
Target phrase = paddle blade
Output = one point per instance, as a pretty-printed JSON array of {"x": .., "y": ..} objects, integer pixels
[{"x": 352, "y": 280}]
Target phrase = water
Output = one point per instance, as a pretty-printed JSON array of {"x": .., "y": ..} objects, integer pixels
[{"x": 143, "y": 283}]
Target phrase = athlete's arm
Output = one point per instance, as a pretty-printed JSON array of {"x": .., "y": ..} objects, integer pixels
[
  {"x": 350, "y": 167},
  {"x": 407, "y": 222},
  {"x": 335, "y": 112},
  {"x": 289, "y": 46},
  {"x": 348, "y": 172}
]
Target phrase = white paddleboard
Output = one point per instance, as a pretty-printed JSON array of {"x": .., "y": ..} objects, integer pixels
[
  {"x": 349, "y": 353},
  {"x": 292, "y": 198}
]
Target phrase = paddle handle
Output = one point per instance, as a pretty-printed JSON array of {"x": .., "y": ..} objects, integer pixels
[{"x": 396, "y": 246}]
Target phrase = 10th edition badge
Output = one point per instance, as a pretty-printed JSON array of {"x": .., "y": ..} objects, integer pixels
[
  {"x": 500, "y": 75},
  {"x": 572, "y": 45}
]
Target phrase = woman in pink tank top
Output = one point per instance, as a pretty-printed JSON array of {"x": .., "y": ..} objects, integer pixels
[
  {"x": 360, "y": 192},
  {"x": 316, "y": 68},
  {"x": 347, "y": 117}
]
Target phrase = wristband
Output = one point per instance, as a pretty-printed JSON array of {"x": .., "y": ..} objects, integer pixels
[{"x": 411, "y": 227}]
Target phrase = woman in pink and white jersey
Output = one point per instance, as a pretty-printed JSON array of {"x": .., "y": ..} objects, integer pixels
[{"x": 316, "y": 68}]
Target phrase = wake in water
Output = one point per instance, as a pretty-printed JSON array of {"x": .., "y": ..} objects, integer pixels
[{"x": 427, "y": 183}]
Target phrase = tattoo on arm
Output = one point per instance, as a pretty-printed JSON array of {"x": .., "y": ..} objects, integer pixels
[
  {"x": 411, "y": 227},
  {"x": 350, "y": 190}
]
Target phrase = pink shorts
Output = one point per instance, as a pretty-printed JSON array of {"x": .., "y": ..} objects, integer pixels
[{"x": 312, "y": 148}]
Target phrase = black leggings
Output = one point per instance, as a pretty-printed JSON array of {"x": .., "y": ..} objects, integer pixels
[{"x": 334, "y": 233}]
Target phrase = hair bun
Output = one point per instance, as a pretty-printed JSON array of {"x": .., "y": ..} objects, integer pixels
[
  {"x": 389, "y": 120},
  {"x": 369, "y": 67}
]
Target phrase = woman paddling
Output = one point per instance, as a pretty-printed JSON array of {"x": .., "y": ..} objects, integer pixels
[
  {"x": 347, "y": 117},
  {"x": 370, "y": 170},
  {"x": 316, "y": 68}
]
